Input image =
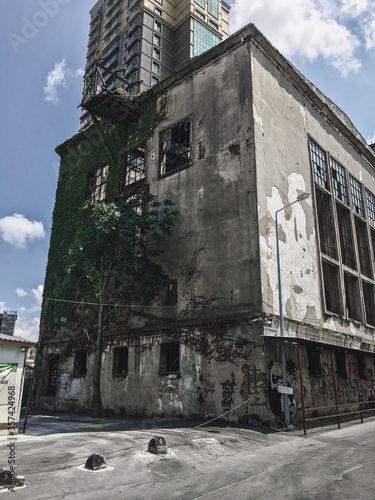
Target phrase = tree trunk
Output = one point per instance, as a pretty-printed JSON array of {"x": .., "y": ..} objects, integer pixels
[{"x": 97, "y": 398}]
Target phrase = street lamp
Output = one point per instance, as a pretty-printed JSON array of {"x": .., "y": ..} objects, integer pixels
[{"x": 301, "y": 197}]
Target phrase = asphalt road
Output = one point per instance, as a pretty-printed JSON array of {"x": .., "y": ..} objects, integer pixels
[{"x": 202, "y": 463}]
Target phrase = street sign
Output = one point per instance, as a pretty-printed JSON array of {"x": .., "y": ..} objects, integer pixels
[
  {"x": 269, "y": 332},
  {"x": 285, "y": 390}
]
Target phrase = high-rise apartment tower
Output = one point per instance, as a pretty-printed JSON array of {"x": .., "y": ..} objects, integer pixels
[{"x": 134, "y": 43}]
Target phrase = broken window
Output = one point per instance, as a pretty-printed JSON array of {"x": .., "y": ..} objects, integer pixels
[
  {"x": 96, "y": 185},
  {"x": 326, "y": 224},
  {"x": 80, "y": 364},
  {"x": 370, "y": 202},
  {"x": 352, "y": 303},
  {"x": 313, "y": 360},
  {"x": 331, "y": 287},
  {"x": 346, "y": 236},
  {"x": 339, "y": 181},
  {"x": 175, "y": 149},
  {"x": 319, "y": 162},
  {"x": 169, "y": 358},
  {"x": 340, "y": 362},
  {"x": 170, "y": 293},
  {"x": 368, "y": 295},
  {"x": 363, "y": 247},
  {"x": 134, "y": 169},
  {"x": 120, "y": 361},
  {"x": 357, "y": 201}
]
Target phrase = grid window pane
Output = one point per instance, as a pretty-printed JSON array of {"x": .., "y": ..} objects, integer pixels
[
  {"x": 213, "y": 7},
  {"x": 363, "y": 247},
  {"x": 357, "y": 200},
  {"x": 157, "y": 40},
  {"x": 319, "y": 161},
  {"x": 204, "y": 39},
  {"x": 370, "y": 202},
  {"x": 96, "y": 185},
  {"x": 157, "y": 26},
  {"x": 175, "y": 147},
  {"x": 326, "y": 224},
  {"x": 352, "y": 297},
  {"x": 346, "y": 236},
  {"x": 339, "y": 181},
  {"x": 202, "y": 3},
  {"x": 156, "y": 54}
]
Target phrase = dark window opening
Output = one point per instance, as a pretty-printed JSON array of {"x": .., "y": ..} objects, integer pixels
[
  {"x": 175, "y": 149},
  {"x": 368, "y": 295},
  {"x": 356, "y": 190},
  {"x": 363, "y": 247},
  {"x": 319, "y": 162},
  {"x": 169, "y": 358},
  {"x": 96, "y": 185},
  {"x": 120, "y": 361},
  {"x": 373, "y": 242},
  {"x": 170, "y": 293},
  {"x": 313, "y": 360},
  {"x": 134, "y": 171},
  {"x": 80, "y": 364},
  {"x": 346, "y": 236},
  {"x": 53, "y": 375},
  {"x": 362, "y": 371},
  {"x": 339, "y": 182},
  {"x": 331, "y": 287},
  {"x": 352, "y": 297},
  {"x": 340, "y": 362},
  {"x": 326, "y": 224}
]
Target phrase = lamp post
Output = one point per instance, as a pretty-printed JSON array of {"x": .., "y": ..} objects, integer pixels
[{"x": 301, "y": 197}]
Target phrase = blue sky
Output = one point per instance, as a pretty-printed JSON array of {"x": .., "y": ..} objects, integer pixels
[{"x": 43, "y": 54}]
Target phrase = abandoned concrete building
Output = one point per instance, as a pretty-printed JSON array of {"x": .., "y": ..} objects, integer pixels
[{"x": 241, "y": 135}]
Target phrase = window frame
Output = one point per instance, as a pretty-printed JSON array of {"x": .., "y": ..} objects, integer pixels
[
  {"x": 96, "y": 185},
  {"x": 163, "y": 169},
  {"x": 170, "y": 358},
  {"x": 80, "y": 359},
  {"x": 131, "y": 165},
  {"x": 120, "y": 357}
]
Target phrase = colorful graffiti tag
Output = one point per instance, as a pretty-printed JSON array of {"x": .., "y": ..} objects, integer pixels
[{"x": 367, "y": 391}]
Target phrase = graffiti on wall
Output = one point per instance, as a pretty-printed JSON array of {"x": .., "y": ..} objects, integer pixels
[
  {"x": 228, "y": 391},
  {"x": 275, "y": 399},
  {"x": 367, "y": 391},
  {"x": 64, "y": 383}
]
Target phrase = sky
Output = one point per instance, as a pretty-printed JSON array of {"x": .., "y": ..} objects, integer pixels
[{"x": 43, "y": 49}]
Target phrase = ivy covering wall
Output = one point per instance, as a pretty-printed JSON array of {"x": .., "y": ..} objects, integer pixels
[{"x": 81, "y": 155}]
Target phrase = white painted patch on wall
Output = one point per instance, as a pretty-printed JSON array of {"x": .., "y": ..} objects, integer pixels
[
  {"x": 75, "y": 386},
  {"x": 258, "y": 120},
  {"x": 201, "y": 192}
]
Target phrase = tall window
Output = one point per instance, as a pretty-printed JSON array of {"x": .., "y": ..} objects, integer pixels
[
  {"x": 326, "y": 224},
  {"x": 120, "y": 361},
  {"x": 157, "y": 26},
  {"x": 370, "y": 202},
  {"x": 204, "y": 39},
  {"x": 339, "y": 182},
  {"x": 175, "y": 147},
  {"x": 80, "y": 364},
  {"x": 169, "y": 358},
  {"x": 357, "y": 200},
  {"x": 134, "y": 170},
  {"x": 96, "y": 184},
  {"x": 319, "y": 162},
  {"x": 213, "y": 7}
]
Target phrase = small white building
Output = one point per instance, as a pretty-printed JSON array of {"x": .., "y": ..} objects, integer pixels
[{"x": 13, "y": 352}]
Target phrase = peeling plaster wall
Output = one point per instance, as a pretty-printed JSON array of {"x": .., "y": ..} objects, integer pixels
[{"x": 284, "y": 119}]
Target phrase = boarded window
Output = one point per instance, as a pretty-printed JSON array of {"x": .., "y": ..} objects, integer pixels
[
  {"x": 169, "y": 358},
  {"x": 363, "y": 247},
  {"x": 352, "y": 302},
  {"x": 332, "y": 291},
  {"x": 120, "y": 361},
  {"x": 368, "y": 295},
  {"x": 80, "y": 364},
  {"x": 326, "y": 224},
  {"x": 96, "y": 185},
  {"x": 346, "y": 236},
  {"x": 175, "y": 149}
]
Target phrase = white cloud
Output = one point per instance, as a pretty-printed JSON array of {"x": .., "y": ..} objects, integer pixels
[
  {"x": 17, "y": 230},
  {"x": 20, "y": 292},
  {"x": 27, "y": 328},
  {"x": 335, "y": 30},
  {"x": 59, "y": 77},
  {"x": 371, "y": 140},
  {"x": 38, "y": 293}
]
